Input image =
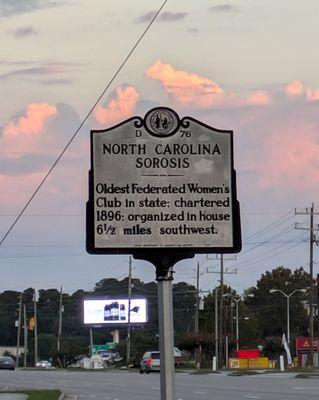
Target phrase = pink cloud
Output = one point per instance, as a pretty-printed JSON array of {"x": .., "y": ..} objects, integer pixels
[
  {"x": 118, "y": 108},
  {"x": 290, "y": 155},
  {"x": 17, "y": 189},
  {"x": 295, "y": 88},
  {"x": 260, "y": 98},
  {"x": 33, "y": 123},
  {"x": 28, "y": 134},
  {"x": 312, "y": 94},
  {"x": 186, "y": 88}
]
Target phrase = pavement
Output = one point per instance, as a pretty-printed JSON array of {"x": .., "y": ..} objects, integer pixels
[
  {"x": 13, "y": 396},
  {"x": 117, "y": 385}
]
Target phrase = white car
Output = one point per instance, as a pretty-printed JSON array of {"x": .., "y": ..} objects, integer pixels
[{"x": 43, "y": 364}]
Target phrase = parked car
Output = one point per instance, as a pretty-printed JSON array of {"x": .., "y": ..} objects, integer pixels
[
  {"x": 7, "y": 363},
  {"x": 150, "y": 362},
  {"x": 43, "y": 364}
]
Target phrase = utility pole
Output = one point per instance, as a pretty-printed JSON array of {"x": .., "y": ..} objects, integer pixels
[
  {"x": 19, "y": 330},
  {"x": 128, "y": 338},
  {"x": 221, "y": 272},
  {"x": 216, "y": 324},
  {"x": 237, "y": 322},
  {"x": 91, "y": 342},
  {"x": 312, "y": 239},
  {"x": 232, "y": 320},
  {"x": 25, "y": 325},
  {"x": 227, "y": 351},
  {"x": 60, "y": 321},
  {"x": 197, "y": 300},
  {"x": 35, "y": 328}
]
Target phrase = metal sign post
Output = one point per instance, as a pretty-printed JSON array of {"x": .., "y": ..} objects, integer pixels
[
  {"x": 163, "y": 189},
  {"x": 166, "y": 335}
]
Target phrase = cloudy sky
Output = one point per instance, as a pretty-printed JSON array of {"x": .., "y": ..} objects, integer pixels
[{"x": 250, "y": 66}]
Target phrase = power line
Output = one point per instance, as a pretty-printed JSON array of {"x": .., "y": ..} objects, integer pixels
[
  {"x": 82, "y": 123},
  {"x": 280, "y": 233},
  {"x": 273, "y": 225},
  {"x": 257, "y": 259}
]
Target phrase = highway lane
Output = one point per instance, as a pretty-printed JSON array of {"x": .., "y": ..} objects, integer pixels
[{"x": 133, "y": 386}]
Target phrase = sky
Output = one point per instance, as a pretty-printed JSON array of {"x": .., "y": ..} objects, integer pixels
[{"x": 250, "y": 66}]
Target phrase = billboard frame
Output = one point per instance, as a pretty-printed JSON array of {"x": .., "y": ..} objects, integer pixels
[{"x": 113, "y": 324}]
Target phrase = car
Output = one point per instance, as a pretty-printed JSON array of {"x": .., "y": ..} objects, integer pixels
[
  {"x": 7, "y": 363},
  {"x": 150, "y": 362},
  {"x": 105, "y": 355},
  {"x": 43, "y": 364}
]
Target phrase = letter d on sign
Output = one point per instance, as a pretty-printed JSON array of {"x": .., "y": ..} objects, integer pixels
[{"x": 138, "y": 133}]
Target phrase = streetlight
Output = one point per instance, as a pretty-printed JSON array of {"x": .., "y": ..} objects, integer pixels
[
  {"x": 288, "y": 298},
  {"x": 237, "y": 318},
  {"x": 237, "y": 322}
]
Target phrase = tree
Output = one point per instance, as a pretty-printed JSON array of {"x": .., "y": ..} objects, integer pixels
[
  {"x": 9, "y": 301},
  {"x": 271, "y": 309},
  {"x": 73, "y": 349},
  {"x": 184, "y": 303},
  {"x": 47, "y": 344}
]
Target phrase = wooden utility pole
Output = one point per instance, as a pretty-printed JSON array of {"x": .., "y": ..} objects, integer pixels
[
  {"x": 128, "y": 338},
  {"x": 25, "y": 325},
  {"x": 19, "y": 331},
  {"x": 60, "y": 321},
  {"x": 197, "y": 299},
  {"x": 312, "y": 240},
  {"x": 221, "y": 273},
  {"x": 91, "y": 342},
  {"x": 216, "y": 324},
  {"x": 35, "y": 328}
]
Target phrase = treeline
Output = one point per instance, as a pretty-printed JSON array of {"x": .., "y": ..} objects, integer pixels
[
  {"x": 261, "y": 316},
  {"x": 75, "y": 336}
]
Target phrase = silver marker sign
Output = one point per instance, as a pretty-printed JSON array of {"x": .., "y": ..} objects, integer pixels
[{"x": 162, "y": 184}]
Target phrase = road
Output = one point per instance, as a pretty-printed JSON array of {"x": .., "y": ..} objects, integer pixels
[{"x": 133, "y": 386}]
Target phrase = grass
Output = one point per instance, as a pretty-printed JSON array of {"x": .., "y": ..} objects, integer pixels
[
  {"x": 38, "y": 394},
  {"x": 241, "y": 372},
  {"x": 308, "y": 376}
]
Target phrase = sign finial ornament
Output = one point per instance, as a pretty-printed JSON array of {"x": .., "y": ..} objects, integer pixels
[{"x": 161, "y": 122}]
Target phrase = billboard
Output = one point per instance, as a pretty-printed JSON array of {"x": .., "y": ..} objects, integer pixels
[{"x": 114, "y": 311}]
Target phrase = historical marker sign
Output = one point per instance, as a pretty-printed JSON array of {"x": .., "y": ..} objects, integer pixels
[{"x": 162, "y": 184}]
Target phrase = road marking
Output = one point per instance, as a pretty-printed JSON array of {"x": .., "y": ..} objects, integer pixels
[
  {"x": 251, "y": 397},
  {"x": 155, "y": 388},
  {"x": 300, "y": 388},
  {"x": 199, "y": 392},
  {"x": 92, "y": 396}
]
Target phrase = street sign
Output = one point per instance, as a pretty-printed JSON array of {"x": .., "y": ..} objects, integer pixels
[
  {"x": 162, "y": 184},
  {"x": 96, "y": 348}
]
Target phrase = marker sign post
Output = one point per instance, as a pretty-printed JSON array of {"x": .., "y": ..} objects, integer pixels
[{"x": 162, "y": 189}]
